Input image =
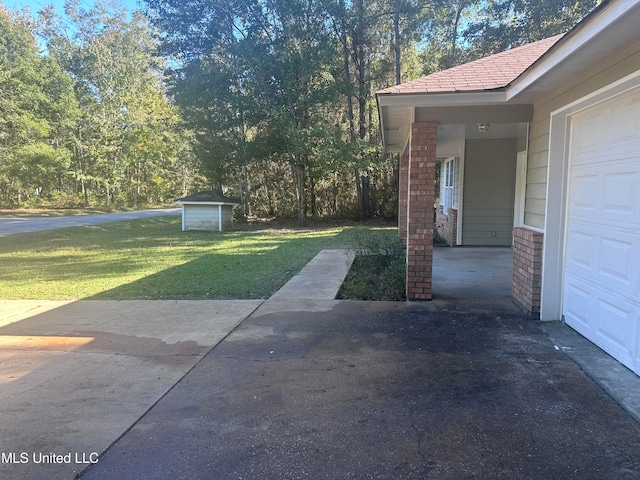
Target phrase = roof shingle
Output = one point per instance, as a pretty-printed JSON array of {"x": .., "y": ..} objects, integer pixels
[
  {"x": 489, "y": 73},
  {"x": 207, "y": 196}
]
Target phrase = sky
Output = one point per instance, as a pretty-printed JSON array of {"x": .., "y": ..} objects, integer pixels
[{"x": 36, "y": 5}]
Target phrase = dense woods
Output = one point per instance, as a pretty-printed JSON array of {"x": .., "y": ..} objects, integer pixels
[{"x": 269, "y": 101}]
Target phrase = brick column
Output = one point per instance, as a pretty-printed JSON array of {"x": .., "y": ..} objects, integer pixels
[
  {"x": 527, "y": 269},
  {"x": 420, "y": 221},
  {"x": 403, "y": 199}
]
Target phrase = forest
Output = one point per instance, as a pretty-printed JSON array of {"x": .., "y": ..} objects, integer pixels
[{"x": 271, "y": 102}]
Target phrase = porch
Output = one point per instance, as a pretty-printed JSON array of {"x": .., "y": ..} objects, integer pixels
[{"x": 472, "y": 272}]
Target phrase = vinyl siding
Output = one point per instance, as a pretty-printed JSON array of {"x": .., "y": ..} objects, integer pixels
[
  {"x": 620, "y": 65},
  {"x": 201, "y": 217},
  {"x": 489, "y": 189},
  {"x": 205, "y": 217}
]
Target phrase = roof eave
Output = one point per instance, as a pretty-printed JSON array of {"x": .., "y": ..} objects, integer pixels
[
  {"x": 441, "y": 99},
  {"x": 195, "y": 202}
]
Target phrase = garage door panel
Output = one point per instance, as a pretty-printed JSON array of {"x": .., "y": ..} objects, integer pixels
[
  {"x": 584, "y": 201},
  {"x": 580, "y": 248},
  {"x": 607, "y": 321},
  {"x": 619, "y": 256},
  {"x": 584, "y": 136},
  {"x": 622, "y": 122},
  {"x": 616, "y": 331},
  {"x": 578, "y": 306},
  {"x": 620, "y": 194},
  {"x": 606, "y": 193},
  {"x": 617, "y": 263},
  {"x": 608, "y": 257}
]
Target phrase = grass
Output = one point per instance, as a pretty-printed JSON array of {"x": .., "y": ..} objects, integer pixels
[{"x": 154, "y": 259}]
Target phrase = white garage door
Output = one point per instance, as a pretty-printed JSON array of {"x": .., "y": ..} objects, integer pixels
[{"x": 602, "y": 266}]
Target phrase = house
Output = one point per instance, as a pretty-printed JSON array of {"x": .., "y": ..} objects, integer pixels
[
  {"x": 539, "y": 148},
  {"x": 210, "y": 211}
]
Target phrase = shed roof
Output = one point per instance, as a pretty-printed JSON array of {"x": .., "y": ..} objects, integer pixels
[
  {"x": 490, "y": 73},
  {"x": 209, "y": 197}
]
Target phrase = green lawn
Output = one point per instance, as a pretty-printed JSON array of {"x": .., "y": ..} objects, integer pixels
[{"x": 153, "y": 259}]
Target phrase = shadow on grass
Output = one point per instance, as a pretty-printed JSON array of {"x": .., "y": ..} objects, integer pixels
[
  {"x": 154, "y": 259},
  {"x": 254, "y": 272},
  {"x": 214, "y": 276}
]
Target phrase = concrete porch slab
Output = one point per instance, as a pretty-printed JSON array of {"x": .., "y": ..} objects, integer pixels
[{"x": 472, "y": 272}]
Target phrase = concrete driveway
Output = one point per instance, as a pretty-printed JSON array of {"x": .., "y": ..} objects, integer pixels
[
  {"x": 75, "y": 376},
  {"x": 10, "y": 225}
]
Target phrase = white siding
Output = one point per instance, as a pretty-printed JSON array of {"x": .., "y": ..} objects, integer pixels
[
  {"x": 620, "y": 65},
  {"x": 201, "y": 217}
]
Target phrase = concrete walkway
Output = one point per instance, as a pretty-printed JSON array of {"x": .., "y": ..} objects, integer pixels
[
  {"x": 302, "y": 386},
  {"x": 320, "y": 279}
]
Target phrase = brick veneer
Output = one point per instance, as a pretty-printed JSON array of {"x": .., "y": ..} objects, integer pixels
[
  {"x": 527, "y": 269},
  {"x": 447, "y": 225},
  {"x": 420, "y": 222},
  {"x": 403, "y": 197}
]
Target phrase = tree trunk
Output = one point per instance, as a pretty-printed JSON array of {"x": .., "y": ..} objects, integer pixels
[
  {"x": 396, "y": 34},
  {"x": 359, "y": 193},
  {"x": 298, "y": 177},
  {"x": 363, "y": 191},
  {"x": 360, "y": 51},
  {"x": 312, "y": 194},
  {"x": 245, "y": 190},
  {"x": 454, "y": 35}
]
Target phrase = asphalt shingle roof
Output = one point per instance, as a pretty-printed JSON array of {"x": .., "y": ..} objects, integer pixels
[
  {"x": 207, "y": 196},
  {"x": 489, "y": 73}
]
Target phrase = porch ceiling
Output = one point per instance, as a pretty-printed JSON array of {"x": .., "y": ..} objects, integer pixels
[{"x": 396, "y": 121}]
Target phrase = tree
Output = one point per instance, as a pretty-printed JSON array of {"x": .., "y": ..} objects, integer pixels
[
  {"x": 128, "y": 130},
  {"x": 37, "y": 107},
  {"x": 254, "y": 78},
  {"x": 503, "y": 24},
  {"x": 279, "y": 94}
]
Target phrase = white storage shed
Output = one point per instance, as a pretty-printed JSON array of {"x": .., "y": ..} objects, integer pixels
[{"x": 208, "y": 211}]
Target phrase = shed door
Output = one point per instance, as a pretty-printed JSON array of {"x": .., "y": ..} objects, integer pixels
[{"x": 602, "y": 262}]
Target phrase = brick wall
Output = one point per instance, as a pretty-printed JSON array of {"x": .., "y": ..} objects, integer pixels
[
  {"x": 403, "y": 197},
  {"x": 447, "y": 225},
  {"x": 420, "y": 222},
  {"x": 527, "y": 269}
]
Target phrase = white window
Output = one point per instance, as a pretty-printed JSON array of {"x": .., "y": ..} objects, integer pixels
[{"x": 449, "y": 191}]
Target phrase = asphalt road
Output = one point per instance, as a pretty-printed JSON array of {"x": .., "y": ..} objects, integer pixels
[{"x": 11, "y": 225}]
